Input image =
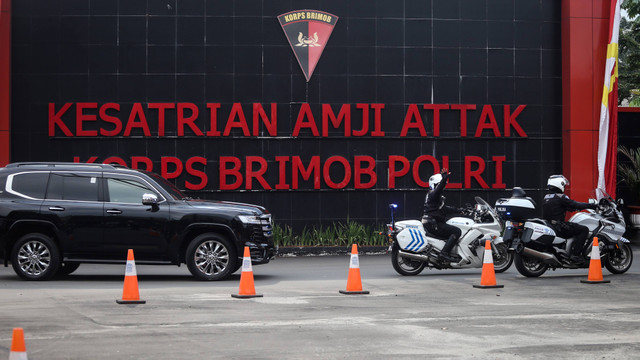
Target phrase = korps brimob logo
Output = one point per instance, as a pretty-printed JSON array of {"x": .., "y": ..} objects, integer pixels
[{"x": 308, "y": 32}]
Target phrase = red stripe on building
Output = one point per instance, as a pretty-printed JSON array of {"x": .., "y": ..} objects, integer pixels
[{"x": 585, "y": 26}]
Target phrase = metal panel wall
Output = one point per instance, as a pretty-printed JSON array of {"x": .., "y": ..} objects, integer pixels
[{"x": 178, "y": 86}]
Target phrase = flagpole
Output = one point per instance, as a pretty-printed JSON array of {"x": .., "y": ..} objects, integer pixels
[{"x": 607, "y": 140}]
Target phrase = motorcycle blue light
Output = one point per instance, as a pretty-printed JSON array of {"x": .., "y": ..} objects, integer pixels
[{"x": 393, "y": 206}]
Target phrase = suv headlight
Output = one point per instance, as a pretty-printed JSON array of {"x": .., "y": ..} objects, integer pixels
[
  {"x": 250, "y": 219},
  {"x": 264, "y": 220}
]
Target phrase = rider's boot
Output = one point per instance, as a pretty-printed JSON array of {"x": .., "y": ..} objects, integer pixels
[
  {"x": 444, "y": 254},
  {"x": 575, "y": 255}
]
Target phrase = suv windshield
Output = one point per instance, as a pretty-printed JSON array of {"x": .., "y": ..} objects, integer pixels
[{"x": 175, "y": 193}]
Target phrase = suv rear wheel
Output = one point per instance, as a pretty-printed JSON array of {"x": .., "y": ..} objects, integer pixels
[
  {"x": 35, "y": 256},
  {"x": 211, "y": 257}
]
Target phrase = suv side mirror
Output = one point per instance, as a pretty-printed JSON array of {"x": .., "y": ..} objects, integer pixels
[{"x": 149, "y": 199}]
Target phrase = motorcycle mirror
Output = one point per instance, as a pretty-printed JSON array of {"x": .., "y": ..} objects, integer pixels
[{"x": 593, "y": 201}]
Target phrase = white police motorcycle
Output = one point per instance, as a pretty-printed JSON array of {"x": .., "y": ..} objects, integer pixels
[
  {"x": 538, "y": 248},
  {"x": 412, "y": 248}
]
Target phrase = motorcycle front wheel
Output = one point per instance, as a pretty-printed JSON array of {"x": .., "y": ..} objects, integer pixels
[
  {"x": 404, "y": 266},
  {"x": 502, "y": 258},
  {"x": 619, "y": 260},
  {"x": 529, "y": 267}
]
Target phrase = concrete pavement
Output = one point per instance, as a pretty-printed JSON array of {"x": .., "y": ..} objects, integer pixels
[{"x": 437, "y": 314}]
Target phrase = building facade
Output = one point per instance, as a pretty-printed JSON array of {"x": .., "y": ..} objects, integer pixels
[{"x": 216, "y": 97}]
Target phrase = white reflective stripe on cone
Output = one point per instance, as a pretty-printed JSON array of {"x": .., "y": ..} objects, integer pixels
[
  {"x": 246, "y": 265},
  {"x": 488, "y": 257},
  {"x": 595, "y": 252},
  {"x": 355, "y": 263},
  {"x": 131, "y": 269}
]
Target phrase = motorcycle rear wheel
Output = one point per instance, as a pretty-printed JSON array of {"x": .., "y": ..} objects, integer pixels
[
  {"x": 529, "y": 267},
  {"x": 619, "y": 261},
  {"x": 502, "y": 262},
  {"x": 403, "y": 266}
]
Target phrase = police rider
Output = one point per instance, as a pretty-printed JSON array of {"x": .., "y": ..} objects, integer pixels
[
  {"x": 435, "y": 211},
  {"x": 554, "y": 207}
]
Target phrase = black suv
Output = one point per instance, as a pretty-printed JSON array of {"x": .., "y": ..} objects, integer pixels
[{"x": 54, "y": 216}]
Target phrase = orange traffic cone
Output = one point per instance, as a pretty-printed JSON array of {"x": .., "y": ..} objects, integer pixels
[
  {"x": 130, "y": 294},
  {"x": 595, "y": 266},
  {"x": 247, "y": 288},
  {"x": 354, "y": 285},
  {"x": 18, "y": 350},
  {"x": 488, "y": 278}
]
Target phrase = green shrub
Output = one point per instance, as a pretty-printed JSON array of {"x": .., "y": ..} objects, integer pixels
[
  {"x": 336, "y": 234},
  {"x": 630, "y": 172}
]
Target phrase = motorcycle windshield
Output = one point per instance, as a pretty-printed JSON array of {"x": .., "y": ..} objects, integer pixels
[
  {"x": 481, "y": 201},
  {"x": 603, "y": 197},
  {"x": 601, "y": 194}
]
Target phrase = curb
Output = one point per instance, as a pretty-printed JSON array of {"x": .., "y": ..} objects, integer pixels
[{"x": 291, "y": 251}]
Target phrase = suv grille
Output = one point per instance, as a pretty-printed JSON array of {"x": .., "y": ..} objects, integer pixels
[{"x": 267, "y": 225}]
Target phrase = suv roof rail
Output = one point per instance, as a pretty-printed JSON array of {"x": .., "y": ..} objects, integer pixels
[{"x": 62, "y": 164}]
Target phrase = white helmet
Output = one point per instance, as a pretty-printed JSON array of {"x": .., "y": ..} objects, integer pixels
[
  {"x": 558, "y": 182},
  {"x": 434, "y": 181}
]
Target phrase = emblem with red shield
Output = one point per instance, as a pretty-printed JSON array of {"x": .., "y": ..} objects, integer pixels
[{"x": 308, "y": 32}]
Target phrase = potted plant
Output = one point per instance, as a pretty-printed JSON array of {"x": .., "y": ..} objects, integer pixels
[{"x": 630, "y": 174}]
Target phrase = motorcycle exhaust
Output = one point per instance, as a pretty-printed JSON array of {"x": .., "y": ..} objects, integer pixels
[
  {"x": 546, "y": 258},
  {"x": 411, "y": 256}
]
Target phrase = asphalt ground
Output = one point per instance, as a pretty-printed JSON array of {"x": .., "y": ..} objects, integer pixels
[{"x": 302, "y": 315}]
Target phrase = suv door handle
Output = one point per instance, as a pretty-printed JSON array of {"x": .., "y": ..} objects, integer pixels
[
  {"x": 56, "y": 208},
  {"x": 114, "y": 211}
]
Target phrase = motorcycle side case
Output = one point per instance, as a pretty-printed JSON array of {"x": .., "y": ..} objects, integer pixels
[
  {"x": 508, "y": 234},
  {"x": 539, "y": 233},
  {"x": 412, "y": 237}
]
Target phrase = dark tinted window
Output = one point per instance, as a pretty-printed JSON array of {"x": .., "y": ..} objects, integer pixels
[
  {"x": 31, "y": 184},
  {"x": 127, "y": 191},
  {"x": 167, "y": 186},
  {"x": 73, "y": 187}
]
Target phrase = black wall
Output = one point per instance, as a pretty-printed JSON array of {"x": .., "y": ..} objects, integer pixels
[{"x": 396, "y": 53}]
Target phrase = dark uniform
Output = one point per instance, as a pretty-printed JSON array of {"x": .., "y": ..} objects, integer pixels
[
  {"x": 554, "y": 207},
  {"x": 434, "y": 217}
]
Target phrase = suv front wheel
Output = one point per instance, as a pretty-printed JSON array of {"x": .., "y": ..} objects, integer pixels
[
  {"x": 35, "y": 256},
  {"x": 211, "y": 257}
]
